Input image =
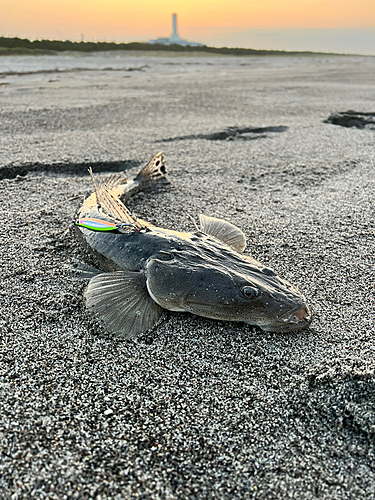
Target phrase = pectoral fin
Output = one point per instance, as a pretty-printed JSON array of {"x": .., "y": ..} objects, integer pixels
[
  {"x": 84, "y": 271},
  {"x": 120, "y": 300},
  {"x": 223, "y": 231}
]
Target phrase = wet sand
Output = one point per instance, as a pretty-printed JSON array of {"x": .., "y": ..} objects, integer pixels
[{"x": 195, "y": 408}]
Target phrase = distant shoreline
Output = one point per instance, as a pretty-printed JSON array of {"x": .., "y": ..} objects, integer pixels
[{"x": 23, "y": 46}]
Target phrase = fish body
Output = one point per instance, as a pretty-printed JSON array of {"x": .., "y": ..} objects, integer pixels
[{"x": 144, "y": 269}]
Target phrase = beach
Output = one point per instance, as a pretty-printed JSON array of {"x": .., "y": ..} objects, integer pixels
[{"x": 195, "y": 408}]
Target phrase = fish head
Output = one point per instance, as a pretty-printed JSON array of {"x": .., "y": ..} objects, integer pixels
[{"x": 231, "y": 287}]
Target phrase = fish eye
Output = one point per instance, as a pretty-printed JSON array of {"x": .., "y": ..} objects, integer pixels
[{"x": 250, "y": 292}]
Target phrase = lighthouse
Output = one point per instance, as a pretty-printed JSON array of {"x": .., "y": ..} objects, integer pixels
[{"x": 174, "y": 38}]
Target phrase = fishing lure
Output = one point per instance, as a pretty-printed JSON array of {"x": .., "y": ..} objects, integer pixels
[{"x": 103, "y": 225}]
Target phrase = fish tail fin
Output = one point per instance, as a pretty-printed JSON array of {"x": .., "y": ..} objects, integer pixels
[{"x": 154, "y": 170}]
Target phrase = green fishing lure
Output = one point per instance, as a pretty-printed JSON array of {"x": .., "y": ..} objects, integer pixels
[
  {"x": 96, "y": 224},
  {"x": 105, "y": 225}
]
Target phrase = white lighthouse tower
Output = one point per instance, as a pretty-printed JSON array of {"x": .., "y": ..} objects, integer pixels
[{"x": 174, "y": 38}]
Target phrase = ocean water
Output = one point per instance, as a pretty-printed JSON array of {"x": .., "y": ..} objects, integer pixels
[
  {"x": 18, "y": 65},
  {"x": 141, "y": 61}
]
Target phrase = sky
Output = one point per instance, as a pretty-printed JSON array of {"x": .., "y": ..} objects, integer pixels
[{"x": 323, "y": 25}]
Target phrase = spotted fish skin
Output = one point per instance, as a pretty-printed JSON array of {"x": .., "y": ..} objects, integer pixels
[{"x": 146, "y": 269}]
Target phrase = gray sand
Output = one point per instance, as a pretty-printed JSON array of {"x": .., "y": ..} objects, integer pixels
[{"x": 195, "y": 408}]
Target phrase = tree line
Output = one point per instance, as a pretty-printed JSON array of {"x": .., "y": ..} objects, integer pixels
[{"x": 17, "y": 44}]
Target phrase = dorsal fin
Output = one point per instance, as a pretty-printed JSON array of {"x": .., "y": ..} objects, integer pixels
[
  {"x": 112, "y": 180},
  {"x": 111, "y": 205},
  {"x": 109, "y": 190},
  {"x": 223, "y": 231},
  {"x": 154, "y": 169}
]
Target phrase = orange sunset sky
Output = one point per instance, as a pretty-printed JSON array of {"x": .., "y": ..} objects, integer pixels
[{"x": 246, "y": 23}]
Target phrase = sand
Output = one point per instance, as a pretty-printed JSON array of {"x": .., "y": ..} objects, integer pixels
[{"x": 195, "y": 408}]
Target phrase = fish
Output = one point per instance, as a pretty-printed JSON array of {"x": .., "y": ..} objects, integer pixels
[{"x": 140, "y": 269}]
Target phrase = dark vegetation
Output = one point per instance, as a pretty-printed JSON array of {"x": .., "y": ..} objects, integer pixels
[{"x": 24, "y": 46}]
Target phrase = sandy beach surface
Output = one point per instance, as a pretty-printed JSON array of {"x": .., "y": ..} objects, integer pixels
[{"x": 195, "y": 408}]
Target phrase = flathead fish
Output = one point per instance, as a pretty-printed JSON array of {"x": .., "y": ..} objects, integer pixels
[{"x": 142, "y": 269}]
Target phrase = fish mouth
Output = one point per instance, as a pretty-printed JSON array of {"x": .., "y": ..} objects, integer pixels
[
  {"x": 302, "y": 314},
  {"x": 297, "y": 319}
]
